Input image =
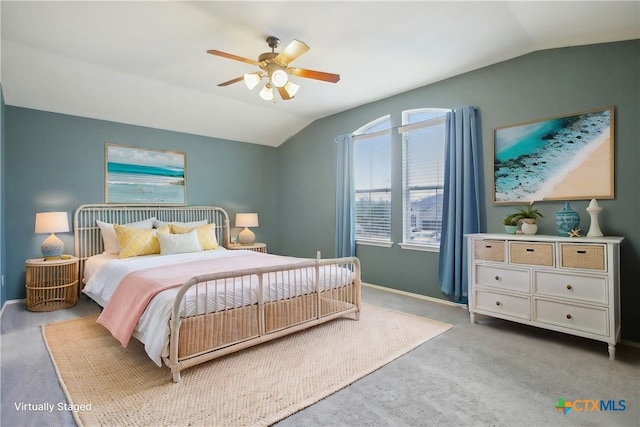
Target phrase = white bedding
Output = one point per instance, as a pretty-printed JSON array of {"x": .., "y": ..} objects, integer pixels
[{"x": 104, "y": 272}]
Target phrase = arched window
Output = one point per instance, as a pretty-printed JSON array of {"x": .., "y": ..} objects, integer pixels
[
  {"x": 423, "y": 133},
  {"x": 372, "y": 179}
]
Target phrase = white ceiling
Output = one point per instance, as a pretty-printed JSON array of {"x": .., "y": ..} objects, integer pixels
[{"x": 144, "y": 63}]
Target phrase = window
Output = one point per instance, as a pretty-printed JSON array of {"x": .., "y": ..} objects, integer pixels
[
  {"x": 423, "y": 142},
  {"x": 372, "y": 179},
  {"x": 413, "y": 156}
]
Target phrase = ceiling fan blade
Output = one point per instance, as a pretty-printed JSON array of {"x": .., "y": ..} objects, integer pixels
[
  {"x": 317, "y": 75},
  {"x": 234, "y": 57},
  {"x": 283, "y": 93},
  {"x": 293, "y": 51},
  {"x": 230, "y": 82}
]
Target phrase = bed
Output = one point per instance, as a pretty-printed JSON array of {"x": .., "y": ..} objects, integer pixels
[{"x": 205, "y": 303}]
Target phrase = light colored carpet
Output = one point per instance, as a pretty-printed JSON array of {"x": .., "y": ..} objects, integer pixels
[{"x": 112, "y": 385}]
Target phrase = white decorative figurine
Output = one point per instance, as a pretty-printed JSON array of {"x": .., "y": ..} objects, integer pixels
[{"x": 594, "y": 210}]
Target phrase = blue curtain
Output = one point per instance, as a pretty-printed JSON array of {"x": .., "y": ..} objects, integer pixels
[
  {"x": 345, "y": 197},
  {"x": 461, "y": 200}
]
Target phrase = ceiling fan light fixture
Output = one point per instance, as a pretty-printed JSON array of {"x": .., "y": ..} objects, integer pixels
[
  {"x": 279, "y": 78},
  {"x": 252, "y": 80},
  {"x": 266, "y": 93},
  {"x": 291, "y": 88},
  {"x": 275, "y": 67}
]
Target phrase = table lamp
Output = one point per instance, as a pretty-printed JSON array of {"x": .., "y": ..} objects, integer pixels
[
  {"x": 52, "y": 222},
  {"x": 246, "y": 220}
]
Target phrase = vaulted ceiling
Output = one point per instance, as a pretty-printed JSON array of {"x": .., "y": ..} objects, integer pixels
[{"x": 145, "y": 63}]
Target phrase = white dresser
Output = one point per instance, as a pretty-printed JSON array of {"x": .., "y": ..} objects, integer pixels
[{"x": 570, "y": 285}]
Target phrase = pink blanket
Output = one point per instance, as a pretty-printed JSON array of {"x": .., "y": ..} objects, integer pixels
[{"x": 121, "y": 314}]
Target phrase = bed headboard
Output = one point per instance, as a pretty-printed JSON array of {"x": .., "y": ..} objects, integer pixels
[{"x": 88, "y": 239}]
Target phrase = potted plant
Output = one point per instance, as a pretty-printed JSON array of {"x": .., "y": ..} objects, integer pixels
[
  {"x": 529, "y": 216},
  {"x": 510, "y": 223}
]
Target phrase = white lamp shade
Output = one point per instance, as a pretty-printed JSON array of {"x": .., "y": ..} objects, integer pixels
[
  {"x": 251, "y": 80},
  {"x": 291, "y": 88},
  {"x": 266, "y": 93},
  {"x": 279, "y": 78},
  {"x": 52, "y": 222},
  {"x": 246, "y": 220}
]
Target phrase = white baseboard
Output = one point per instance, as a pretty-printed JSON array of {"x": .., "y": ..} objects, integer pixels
[
  {"x": 11, "y": 301},
  {"x": 419, "y": 296}
]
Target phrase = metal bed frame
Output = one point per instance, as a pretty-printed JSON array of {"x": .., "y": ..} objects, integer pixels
[{"x": 210, "y": 333}]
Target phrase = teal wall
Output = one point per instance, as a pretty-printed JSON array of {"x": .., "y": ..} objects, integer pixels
[
  {"x": 3, "y": 290},
  {"x": 55, "y": 162},
  {"x": 538, "y": 85}
]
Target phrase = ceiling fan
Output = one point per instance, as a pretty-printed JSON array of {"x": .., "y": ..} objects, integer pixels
[{"x": 275, "y": 67}]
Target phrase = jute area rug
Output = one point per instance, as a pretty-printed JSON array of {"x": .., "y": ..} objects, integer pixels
[{"x": 112, "y": 385}]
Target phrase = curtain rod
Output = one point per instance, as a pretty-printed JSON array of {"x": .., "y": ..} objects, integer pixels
[{"x": 404, "y": 128}]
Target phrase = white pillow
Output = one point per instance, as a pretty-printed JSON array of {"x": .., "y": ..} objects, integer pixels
[
  {"x": 157, "y": 223},
  {"x": 109, "y": 237},
  {"x": 179, "y": 243}
]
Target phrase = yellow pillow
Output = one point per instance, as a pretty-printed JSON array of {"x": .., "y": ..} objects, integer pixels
[
  {"x": 206, "y": 234},
  {"x": 164, "y": 229},
  {"x": 136, "y": 241}
]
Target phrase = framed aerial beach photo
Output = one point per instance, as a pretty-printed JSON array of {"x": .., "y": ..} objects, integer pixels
[
  {"x": 558, "y": 158},
  {"x": 144, "y": 176}
]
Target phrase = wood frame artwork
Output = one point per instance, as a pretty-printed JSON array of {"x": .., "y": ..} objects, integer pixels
[
  {"x": 559, "y": 158},
  {"x": 144, "y": 176}
]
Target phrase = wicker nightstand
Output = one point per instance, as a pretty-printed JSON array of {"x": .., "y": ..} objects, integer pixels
[
  {"x": 51, "y": 285},
  {"x": 256, "y": 247}
]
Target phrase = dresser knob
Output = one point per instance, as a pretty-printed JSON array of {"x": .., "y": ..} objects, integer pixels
[
  {"x": 569, "y": 316},
  {"x": 497, "y": 277},
  {"x": 498, "y": 303},
  {"x": 569, "y": 287}
]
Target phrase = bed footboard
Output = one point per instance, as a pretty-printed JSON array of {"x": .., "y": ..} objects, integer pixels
[{"x": 258, "y": 305}]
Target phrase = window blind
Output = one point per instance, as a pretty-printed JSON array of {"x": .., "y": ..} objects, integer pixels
[
  {"x": 372, "y": 178},
  {"x": 423, "y": 177}
]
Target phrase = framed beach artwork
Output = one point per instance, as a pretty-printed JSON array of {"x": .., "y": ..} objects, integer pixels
[
  {"x": 144, "y": 176},
  {"x": 558, "y": 158}
]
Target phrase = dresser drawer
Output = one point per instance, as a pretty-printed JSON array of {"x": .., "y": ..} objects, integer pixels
[
  {"x": 591, "y": 257},
  {"x": 505, "y": 278},
  {"x": 570, "y": 286},
  {"x": 489, "y": 250},
  {"x": 507, "y": 305},
  {"x": 588, "y": 319},
  {"x": 531, "y": 253}
]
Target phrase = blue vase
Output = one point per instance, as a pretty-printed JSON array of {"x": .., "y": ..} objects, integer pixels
[{"x": 566, "y": 220}]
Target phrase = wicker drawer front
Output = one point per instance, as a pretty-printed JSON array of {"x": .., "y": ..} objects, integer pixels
[
  {"x": 566, "y": 286},
  {"x": 531, "y": 253},
  {"x": 587, "y": 319},
  {"x": 489, "y": 250},
  {"x": 506, "y": 305},
  {"x": 505, "y": 278},
  {"x": 591, "y": 257}
]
